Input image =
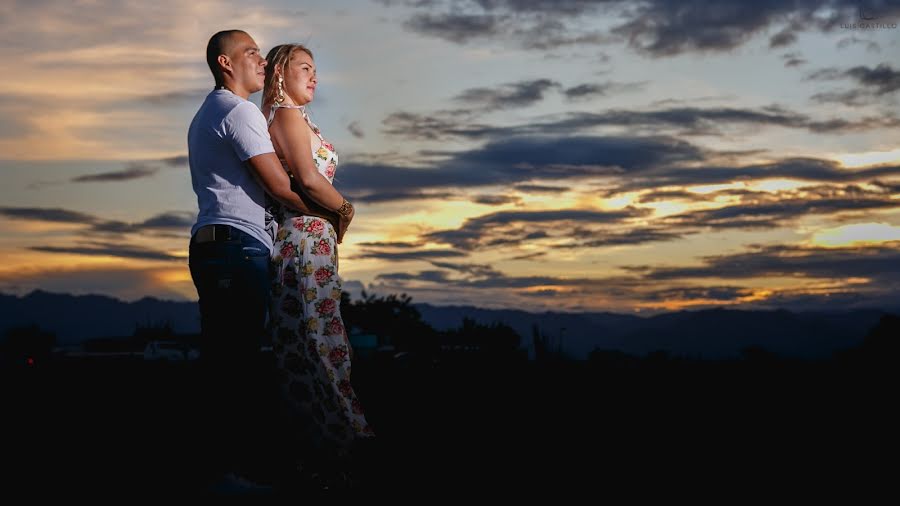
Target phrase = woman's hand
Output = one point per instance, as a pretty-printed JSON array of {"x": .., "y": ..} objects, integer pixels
[{"x": 343, "y": 223}]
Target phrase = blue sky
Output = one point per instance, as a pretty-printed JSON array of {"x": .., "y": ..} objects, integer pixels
[{"x": 570, "y": 155}]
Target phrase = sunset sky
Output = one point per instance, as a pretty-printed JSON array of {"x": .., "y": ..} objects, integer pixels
[{"x": 530, "y": 154}]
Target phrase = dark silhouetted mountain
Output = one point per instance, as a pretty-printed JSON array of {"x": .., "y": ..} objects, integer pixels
[
  {"x": 76, "y": 318},
  {"x": 712, "y": 333}
]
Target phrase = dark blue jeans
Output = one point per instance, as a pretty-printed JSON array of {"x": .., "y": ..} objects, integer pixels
[{"x": 232, "y": 280}]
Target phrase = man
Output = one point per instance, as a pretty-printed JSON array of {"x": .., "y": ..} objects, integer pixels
[{"x": 233, "y": 164}]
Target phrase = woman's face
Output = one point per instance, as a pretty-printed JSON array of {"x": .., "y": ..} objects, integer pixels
[{"x": 300, "y": 78}]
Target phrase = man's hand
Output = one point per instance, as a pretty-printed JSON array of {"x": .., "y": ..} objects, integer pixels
[
  {"x": 267, "y": 170},
  {"x": 313, "y": 208}
]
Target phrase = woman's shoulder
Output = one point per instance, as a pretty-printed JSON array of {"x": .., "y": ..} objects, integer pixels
[{"x": 286, "y": 118}]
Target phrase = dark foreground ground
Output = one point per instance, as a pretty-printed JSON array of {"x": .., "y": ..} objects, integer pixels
[{"x": 485, "y": 427}]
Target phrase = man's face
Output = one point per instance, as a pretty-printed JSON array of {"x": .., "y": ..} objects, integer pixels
[{"x": 247, "y": 64}]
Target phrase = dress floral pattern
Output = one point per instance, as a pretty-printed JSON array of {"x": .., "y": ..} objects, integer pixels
[{"x": 308, "y": 334}]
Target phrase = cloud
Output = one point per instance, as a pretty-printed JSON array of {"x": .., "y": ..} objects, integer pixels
[
  {"x": 396, "y": 196},
  {"x": 659, "y": 28},
  {"x": 540, "y": 188},
  {"x": 778, "y": 210},
  {"x": 673, "y": 120},
  {"x": 510, "y": 228},
  {"x": 506, "y": 96},
  {"x": 178, "y": 220},
  {"x": 793, "y": 59},
  {"x": 577, "y": 155},
  {"x": 428, "y": 276},
  {"x": 804, "y": 169},
  {"x": 684, "y": 293},
  {"x": 588, "y": 90},
  {"x": 871, "y": 45},
  {"x": 436, "y": 126},
  {"x": 533, "y": 27},
  {"x": 166, "y": 221},
  {"x": 581, "y": 229},
  {"x": 529, "y": 256},
  {"x": 403, "y": 256},
  {"x": 656, "y": 28},
  {"x": 457, "y": 28},
  {"x": 496, "y": 200},
  {"x": 662, "y": 28},
  {"x": 520, "y": 159},
  {"x": 871, "y": 262},
  {"x": 873, "y": 83},
  {"x": 111, "y": 249},
  {"x": 597, "y": 239},
  {"x": 355, "y": 129},
  {"x": 628, "y": 163},
  {"x": 823, "y": 274},
  {"x": 783, "y": 38},
  {"x": 850, "y": 98},
  {"x": 473, "y": 270},
  {"x": 135, "y": 171},
  {"x": 658, "y": 195},
  {"x": 53, "y": 215},
  {"x": 881, "y": 79},
  {"x": 392, "y": 244},
  {"x": 175, "y": 161}
]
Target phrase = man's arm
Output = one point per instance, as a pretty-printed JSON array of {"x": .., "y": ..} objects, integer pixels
[{"x": 276, "y": 182}]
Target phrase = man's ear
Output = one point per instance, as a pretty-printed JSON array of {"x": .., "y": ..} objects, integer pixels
[{"x": 224, "y": 61}]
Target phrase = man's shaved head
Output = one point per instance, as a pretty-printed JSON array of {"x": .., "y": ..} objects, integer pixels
[{"x": 220, "y": 43}]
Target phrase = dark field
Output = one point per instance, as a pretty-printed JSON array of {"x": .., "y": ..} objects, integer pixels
[{"x": 469, "y": 426}]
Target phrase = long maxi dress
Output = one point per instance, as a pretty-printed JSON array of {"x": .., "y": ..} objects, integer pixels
[{"x": 308, "y": 335}]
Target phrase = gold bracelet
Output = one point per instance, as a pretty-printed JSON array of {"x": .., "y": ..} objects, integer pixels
[{"x": 345, "y": 209}]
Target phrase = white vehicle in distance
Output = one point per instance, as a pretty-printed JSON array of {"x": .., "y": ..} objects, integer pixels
[{"x": 170, "y": 351}]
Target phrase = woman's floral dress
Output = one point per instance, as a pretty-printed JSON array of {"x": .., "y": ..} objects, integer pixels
[{"x": 308, "y": 335}]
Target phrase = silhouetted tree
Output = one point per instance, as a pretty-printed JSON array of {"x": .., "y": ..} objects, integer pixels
[
  {"x": 545, "y": 350},
  {"x": 880, "y": 348},
  {"x": 497, "y": 339},
  {"x": 393, "y": 318}
]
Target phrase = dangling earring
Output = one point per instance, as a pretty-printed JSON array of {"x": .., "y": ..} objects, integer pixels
[{"x": 279, "y": 98}]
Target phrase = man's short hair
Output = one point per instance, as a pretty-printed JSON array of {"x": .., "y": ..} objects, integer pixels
[{"x": 219, "y": 44}]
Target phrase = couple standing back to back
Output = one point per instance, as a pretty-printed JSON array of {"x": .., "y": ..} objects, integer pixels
[{"x": 265, "y": 241}]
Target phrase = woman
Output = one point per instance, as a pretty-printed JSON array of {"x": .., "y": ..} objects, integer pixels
[{"x": 309, "y": 338}]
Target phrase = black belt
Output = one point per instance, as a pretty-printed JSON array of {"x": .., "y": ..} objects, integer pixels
[{"x": 212, "y": 233}]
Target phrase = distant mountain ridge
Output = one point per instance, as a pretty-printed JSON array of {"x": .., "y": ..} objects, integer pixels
[
  {"x": 711, "y": 333},
  {"x": 75, "y": 318}
]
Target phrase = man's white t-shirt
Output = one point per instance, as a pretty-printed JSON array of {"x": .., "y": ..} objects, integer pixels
[{"x": 225, "y": 133}]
